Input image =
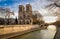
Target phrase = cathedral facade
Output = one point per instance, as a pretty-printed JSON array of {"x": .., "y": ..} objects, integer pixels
[{"x": 25, "y": 14}]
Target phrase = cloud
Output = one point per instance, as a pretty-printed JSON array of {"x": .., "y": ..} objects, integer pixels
[
  {"x": 40, "y": 4},
  {"x": 36, "y": 5}
]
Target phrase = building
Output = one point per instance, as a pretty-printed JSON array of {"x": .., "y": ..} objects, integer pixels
[
  {"x": 25, "y": 15},
  {"x": 7, "y": 21},
  {"x": 37, "y": 16}
]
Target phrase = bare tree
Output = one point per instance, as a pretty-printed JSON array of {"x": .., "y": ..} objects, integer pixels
[
  {"x": 8, "y": 13},
  {"x": 56, "y": 3}
]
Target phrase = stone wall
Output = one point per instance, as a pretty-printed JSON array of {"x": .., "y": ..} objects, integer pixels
[{"x": 8, "y": 29}]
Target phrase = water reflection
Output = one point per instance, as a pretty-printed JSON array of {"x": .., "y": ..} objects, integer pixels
[
  {"x": 51, "y": 27},
  {"x": 40, "y": 34}
]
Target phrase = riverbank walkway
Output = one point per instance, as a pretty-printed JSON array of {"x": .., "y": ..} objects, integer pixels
[{"x": 11, "y": 31}]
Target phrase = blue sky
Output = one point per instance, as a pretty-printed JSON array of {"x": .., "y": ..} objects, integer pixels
[
  {"x": 13, "y": 4},
  {"x": 37, "y": 4}
]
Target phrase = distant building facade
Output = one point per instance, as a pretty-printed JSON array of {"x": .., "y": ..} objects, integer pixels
[
  {"x": 37, "y": 16},
  {"x": 25, "y": 15},
  {"x": 7, "y": 21}
]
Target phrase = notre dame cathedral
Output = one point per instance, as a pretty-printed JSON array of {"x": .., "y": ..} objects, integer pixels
[{"x": 25, "y": 14}]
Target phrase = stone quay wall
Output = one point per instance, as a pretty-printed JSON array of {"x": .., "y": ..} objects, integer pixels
[{"x": 8, "y": 29}]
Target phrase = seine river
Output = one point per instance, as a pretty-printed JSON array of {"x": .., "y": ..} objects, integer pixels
[{"x": 39, "y": 34}]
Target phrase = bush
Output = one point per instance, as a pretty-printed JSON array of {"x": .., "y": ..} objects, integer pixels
[{"x": 38, "y": 22}]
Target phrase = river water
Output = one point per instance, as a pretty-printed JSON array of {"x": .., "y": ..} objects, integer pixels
[{"x": 39, "y": 34}]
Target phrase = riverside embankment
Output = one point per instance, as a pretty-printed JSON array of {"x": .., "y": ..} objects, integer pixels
[{"x": 7, "y": 31}]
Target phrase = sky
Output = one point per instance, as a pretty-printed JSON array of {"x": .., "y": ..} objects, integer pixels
[{"x": 38, "y": 5}]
